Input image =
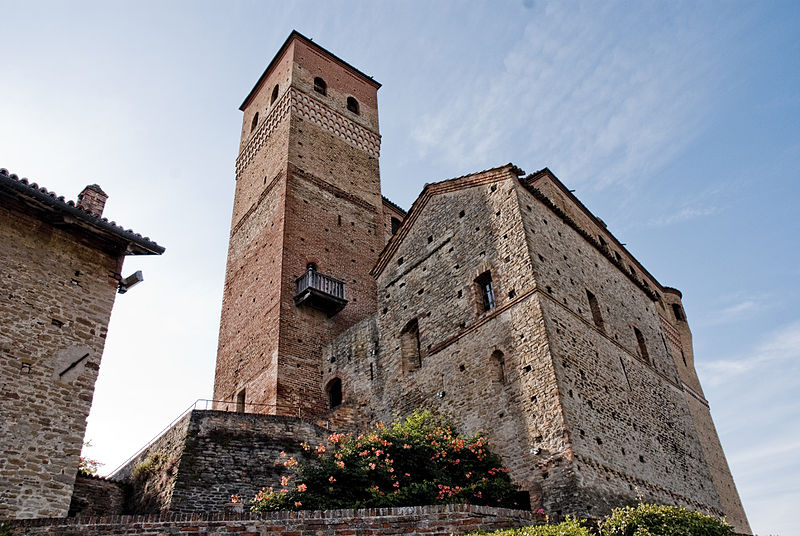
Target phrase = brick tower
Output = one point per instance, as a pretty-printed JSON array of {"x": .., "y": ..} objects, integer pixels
[{"x": 306, "y": 229}]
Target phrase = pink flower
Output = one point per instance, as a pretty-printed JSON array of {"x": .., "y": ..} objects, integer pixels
[
  {"x": 284, "y": 481},
  {"x": 372, "y": 466},
  {"x": 340, "y": 464},
  {"x": 331, "y": 479},
  {"x": 301, "y": 488},
  {"x": 297, "y": 504}
]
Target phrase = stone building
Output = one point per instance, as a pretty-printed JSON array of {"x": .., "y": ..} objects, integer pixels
[
  {"x": 60, "y": 269},
  {"x": 498, "y": 299}
]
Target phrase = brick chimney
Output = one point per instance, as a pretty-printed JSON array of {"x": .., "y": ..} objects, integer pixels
[{"x": 92, "y": 199}]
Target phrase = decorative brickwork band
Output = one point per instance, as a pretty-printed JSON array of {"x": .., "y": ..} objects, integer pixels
[{"x": 312, "y": 110}]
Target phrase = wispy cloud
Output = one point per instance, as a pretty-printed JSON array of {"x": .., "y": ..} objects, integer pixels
[
  {"x": 602, "y": 95},
  {"x": 738, "y": 309},
  {"x": 684, "y": 214},
  {"x": 782, "y": 345}
]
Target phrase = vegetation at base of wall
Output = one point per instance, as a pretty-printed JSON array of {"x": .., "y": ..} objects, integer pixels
[
  {"x": 642, "y": 520},
  {"x": 414, "y": 461},
  {"x": 569, "y": 527},
  {"x": 659, "y": 520},
  {"x": 5, "y": 529}
]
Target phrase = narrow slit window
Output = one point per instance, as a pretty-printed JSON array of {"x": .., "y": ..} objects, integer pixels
[
  {"x": 642, "y": 346},
  {"x": 595, "y": 308},
  {"x": 678, "y": 312},
  {"x": 274, "y": 96},
  {"x": 485, "y": 290},
  {"x": 240, "y": 401},
  {"x": 498, "y": 362},
  {"x": 334, "y": 393},
  {"x": 320, "y": 86},
  {"x": 254, "y": 124},
  {"x": 352, "y": 105},
  {"x": 409, "y": 346}
]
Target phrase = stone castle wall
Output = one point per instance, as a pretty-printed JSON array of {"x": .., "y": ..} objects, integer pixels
[
  {"x": 207, "y": 456},
  {"x": 412, "y": 520},
  {"x": 95, "y": 496},
  {"x": 58, "y": 290}
]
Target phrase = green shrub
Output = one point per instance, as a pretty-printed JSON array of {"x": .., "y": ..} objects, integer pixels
[
  {"x": 657, "y": 520},
  {"x": 570, "y": 527},
  {"x": 415, "y": 461}
]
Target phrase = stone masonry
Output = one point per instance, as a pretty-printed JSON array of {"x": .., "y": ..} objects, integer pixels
[
  {"x": 499, "y": 299},
  {"x": 60, "y": 266}
]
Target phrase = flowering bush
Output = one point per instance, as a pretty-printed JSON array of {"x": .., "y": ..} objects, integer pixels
[{"x": 415, "y": 461}]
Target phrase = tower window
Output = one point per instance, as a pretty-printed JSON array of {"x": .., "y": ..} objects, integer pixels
[
  {"x": 498, "y": 362},
  {"x": 352, "y": 104},
  {"x": 254, "y": 124},
  {"x": 486, "y": 290},
  {"x": 678, "y": 312},
  {"x": 240, "y": 401},
  {"x": 334, "y": 391},
  {"x": 274, "y": 94},
  {"x": 395, "y": 225},
  {"x": 409, "y": 346},
  {"x": 642, "y": 346},
  {"x": 595, "y": 307},
  {"x": 320, "y": 86}
]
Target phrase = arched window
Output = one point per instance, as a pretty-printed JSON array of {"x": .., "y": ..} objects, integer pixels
[
  {"x": 320, "y": 86},
  {"x": 334, "y": 390},
  {"x": 240, "y": 401},
  {"x": 498, "y": 364},
  {"x": 254, "y": 124},
  {"x": 642, "y": 346},
  {"x": 409, "y": 346},
  {"x": 274, "y": 94},
  {"x": 352, "y": 104}
]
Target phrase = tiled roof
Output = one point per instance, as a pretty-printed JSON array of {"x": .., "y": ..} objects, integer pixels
[
  {"x": 22, "y": 187},
  {"x": 393, "y": 204}
]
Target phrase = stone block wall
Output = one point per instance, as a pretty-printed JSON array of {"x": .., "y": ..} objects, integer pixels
[
  {"x": 95, "y": 496},
  {"x": 207, "y": 456},
  {"x": 58, "y": 289},
  {"x": 413, "y": 520}
]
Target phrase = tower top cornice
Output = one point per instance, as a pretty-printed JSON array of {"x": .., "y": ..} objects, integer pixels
[{"x": 297, "y": 36}]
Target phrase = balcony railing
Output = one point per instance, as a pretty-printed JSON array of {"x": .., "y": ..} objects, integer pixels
[{"x": 320, "y": 291}]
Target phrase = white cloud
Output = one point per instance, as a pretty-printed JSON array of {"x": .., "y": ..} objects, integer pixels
[
  {"x": 782, "y": 345},
  {"x": 595, "y": 94}
]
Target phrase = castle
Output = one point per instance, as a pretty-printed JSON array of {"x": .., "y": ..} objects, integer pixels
[{"x": 497, "y": 299}]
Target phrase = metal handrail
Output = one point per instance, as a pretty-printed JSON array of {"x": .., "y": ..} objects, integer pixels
[
  {"x": 321, "y": 282},
  {"x": 205, "y": 402}
]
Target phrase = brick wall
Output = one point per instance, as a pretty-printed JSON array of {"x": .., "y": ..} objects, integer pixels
[{"x": 419, "y": 520}]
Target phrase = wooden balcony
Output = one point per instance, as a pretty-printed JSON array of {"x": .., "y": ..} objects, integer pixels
[{"x": 320, "y": 291}]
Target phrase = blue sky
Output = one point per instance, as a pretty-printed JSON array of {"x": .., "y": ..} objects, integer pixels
[{"x": 676, "y": 122}]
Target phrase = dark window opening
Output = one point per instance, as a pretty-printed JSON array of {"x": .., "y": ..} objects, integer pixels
[
  {"x": 320, "y": 86},
  {"x": 274, "y": 94},
  {"x": 352, "y": 105},
  {"x": 498, "y": 361},
  {"x": 619, "y": 259},
  {"x": 596, "y": 314},
  {"x": 409, "y": 346},
  {"x": 396, "y": 223},
  {"x": 683, "y": 356},
  {"x": 642, "y": 346},
  {"x": 678, "y": 312},
  {"x": 631, "y": 270},
  {"x": 254, "y": 124},
  {"x": 486, "y": 290},
  {"x": 311, "y": 267},
  {"x": 334, "y": 391},
  {"x": 240, "y": 401},
  {"x": 602, "y": 241}
]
